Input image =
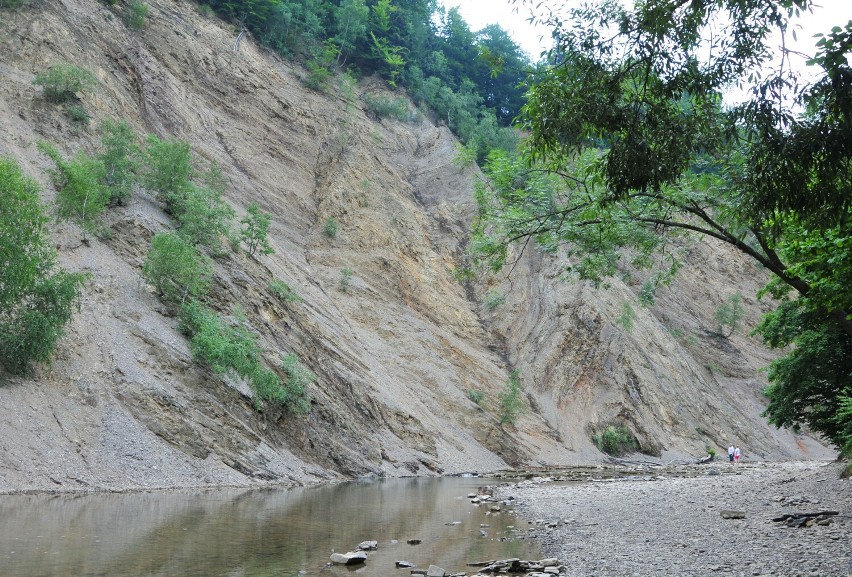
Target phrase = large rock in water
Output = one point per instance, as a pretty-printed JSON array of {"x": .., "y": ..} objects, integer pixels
[{"x": 350, "y": 558}]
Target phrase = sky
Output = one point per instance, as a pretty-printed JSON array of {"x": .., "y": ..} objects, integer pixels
[{"x": 480, "y": 13}]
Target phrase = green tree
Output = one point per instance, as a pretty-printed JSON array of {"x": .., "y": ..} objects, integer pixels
[
  {"x": 729, "y": 314},
  {"x": 81, "y": 195},
  {"x": 177, "y": 269},
  {"x": 120, "y": 157},
  {"x": 629, "y": 145},
  {"x": 255, "y": 229},
  {"x": 510, "y": 405},
  {"x": 168, "y": 169},
  {"x": 62, "y": 82},
  {"x": 36, "y": 299},
  {"x": 351, "y": 19}
]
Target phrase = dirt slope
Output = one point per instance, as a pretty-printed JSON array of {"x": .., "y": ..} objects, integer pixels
[{"x": 124, "y": 406}]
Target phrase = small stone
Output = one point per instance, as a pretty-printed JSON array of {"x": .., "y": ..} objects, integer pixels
[
  {"x": 405, "y": 564},
  {"x": 414, "y": 541},
  {"x": 435, "y": 571},
  {"x": 727, "y": 514},
  {"x": 368, "y": 546},
  {"x": 350, "y": 558}
]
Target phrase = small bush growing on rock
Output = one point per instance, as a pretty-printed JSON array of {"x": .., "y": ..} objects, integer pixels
[
  {"x": 729, "y": 314},
  {"x": 283, "y": 291},
  {"x": 178, "y": 270},
  {"x": 345, "y": 279},
  {"x": 476, "y": 396},
  {"x": 627, "y": 316},
  {"x": 494, "y": 299},
  {"x": 80, "y": 195},
  {"x": 614, "y": 440},
  {"x": 388, "y": 106},
  {"x": 120, "y": 157},
  {"x": 295, "y": 389},
  {"x": 168, "y": 169},
  {"x": 135, "y": 15},
  {"x": 62, "y": 82},
  {"x": 255, "y": 229},
  {"x": 330, "y": 227},
  {"x": 510, "y": 404}
]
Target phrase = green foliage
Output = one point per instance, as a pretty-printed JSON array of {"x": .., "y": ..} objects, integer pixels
[
  {"x": 627, "y": 316},
  {"x": 476, "y": 396},
  {"x": 77, "y": 112},
  {"x": 135, "y": 14},
  {"x": 345, "y": 279},
  {"x": 168, "y": 170},
  {"x": 63, "y": 82},
  {"x": 615, "y": 440},
  {"x": 80, "y": 196},
  {"x": 36, "y": 300},
  {"x": 225, "y": 349},
  {"x": 648, "y": 293},
  {"x": 283, "y": 291},
  {"x": 630, "y": 131},
  {"x": 120, "y": 157},
  {"x": 494, "y": 299},
  {"x": 176, "y": 269},
  {"x": 254, "y": 231},
  {"x": 233, "y": 350},
  {"x": 203, "y": 216},
  {"x": 711, "y": 451},
  {"x": 510, "y": 404},
  {"x": 295, "y": 390},
  {"x": 398, "y": 107},
  {"x": 729, "y": 314},
  {"x": 330, "y": 227},
  {"x": 808, "y": 385}
]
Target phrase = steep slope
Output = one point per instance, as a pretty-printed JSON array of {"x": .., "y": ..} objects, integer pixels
[{"x": 124, "y": 405}]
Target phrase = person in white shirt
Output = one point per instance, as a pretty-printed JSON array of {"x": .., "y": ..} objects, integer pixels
[{"x": 731, "y": 453}]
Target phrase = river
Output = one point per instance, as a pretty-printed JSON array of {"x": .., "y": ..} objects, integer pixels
[{"x": 254, "y": 533}]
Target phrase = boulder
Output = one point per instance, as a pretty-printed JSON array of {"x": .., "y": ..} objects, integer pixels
[
  {"x": 350, "y": 558},
  {"x": 368, "y": 545},
  {"x": 435, "y": 571},
  {"x": 414, "y": 541}
]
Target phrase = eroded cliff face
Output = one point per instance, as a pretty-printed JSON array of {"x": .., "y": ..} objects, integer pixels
[{"x": 124, "y": 406}]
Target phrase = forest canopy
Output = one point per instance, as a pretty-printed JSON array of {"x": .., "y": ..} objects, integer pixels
[{"x": 471, "y": 80}]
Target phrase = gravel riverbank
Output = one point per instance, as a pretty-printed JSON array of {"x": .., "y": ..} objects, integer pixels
[{"x": 663, "y": 522}]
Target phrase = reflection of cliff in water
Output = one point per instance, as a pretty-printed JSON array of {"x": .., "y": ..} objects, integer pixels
[{"x": 250, "y": 533}]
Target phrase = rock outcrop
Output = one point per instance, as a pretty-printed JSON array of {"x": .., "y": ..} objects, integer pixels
[{"x": 124, "y": 406}]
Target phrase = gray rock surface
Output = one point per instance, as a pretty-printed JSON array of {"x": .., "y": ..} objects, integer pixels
[{"x": 672, "y": 525}]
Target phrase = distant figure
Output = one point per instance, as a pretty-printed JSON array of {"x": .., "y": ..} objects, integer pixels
[
  {"x": 731, "y": 453},
  {"x": 737, "y": 455}
]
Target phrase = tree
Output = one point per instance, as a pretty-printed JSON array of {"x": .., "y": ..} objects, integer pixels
[
  {"x": 255, "y": 228},
  {"x": 168, "y": 169},
  {"x": 36, "y": 299},
  {"x": 729, "y": 314},
  {"x": 81, "y": 195},
  {"x": 351, "y": 22},
  {"x": 630, "y": 145},
  {"x": 177, "y": 269},
  {"x": 120, "y": 157}
]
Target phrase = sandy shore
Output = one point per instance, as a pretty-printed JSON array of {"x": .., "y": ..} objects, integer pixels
[{"x": 658, "y": 523}]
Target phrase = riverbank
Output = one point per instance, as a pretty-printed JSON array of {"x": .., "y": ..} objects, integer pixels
[{"x": 661, "y": 524}]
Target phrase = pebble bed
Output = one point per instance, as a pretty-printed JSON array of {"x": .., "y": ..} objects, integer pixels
[{"x": 659, "y": 522}]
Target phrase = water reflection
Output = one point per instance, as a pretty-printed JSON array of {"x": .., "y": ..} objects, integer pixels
[{"x": 240, "y": 533}]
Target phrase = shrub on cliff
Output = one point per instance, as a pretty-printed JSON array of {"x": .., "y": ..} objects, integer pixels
[
  {"x": 36, "y": 299},
  {"x": 62, "y": 82}
]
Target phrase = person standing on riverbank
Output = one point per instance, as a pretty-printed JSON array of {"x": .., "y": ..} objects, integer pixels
[
  {"x": 737, "y": 455},
  {"x": 731, "y": 453}
]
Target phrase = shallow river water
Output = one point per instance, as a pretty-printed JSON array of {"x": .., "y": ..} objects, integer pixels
[{"x": 254, "y": 533}]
